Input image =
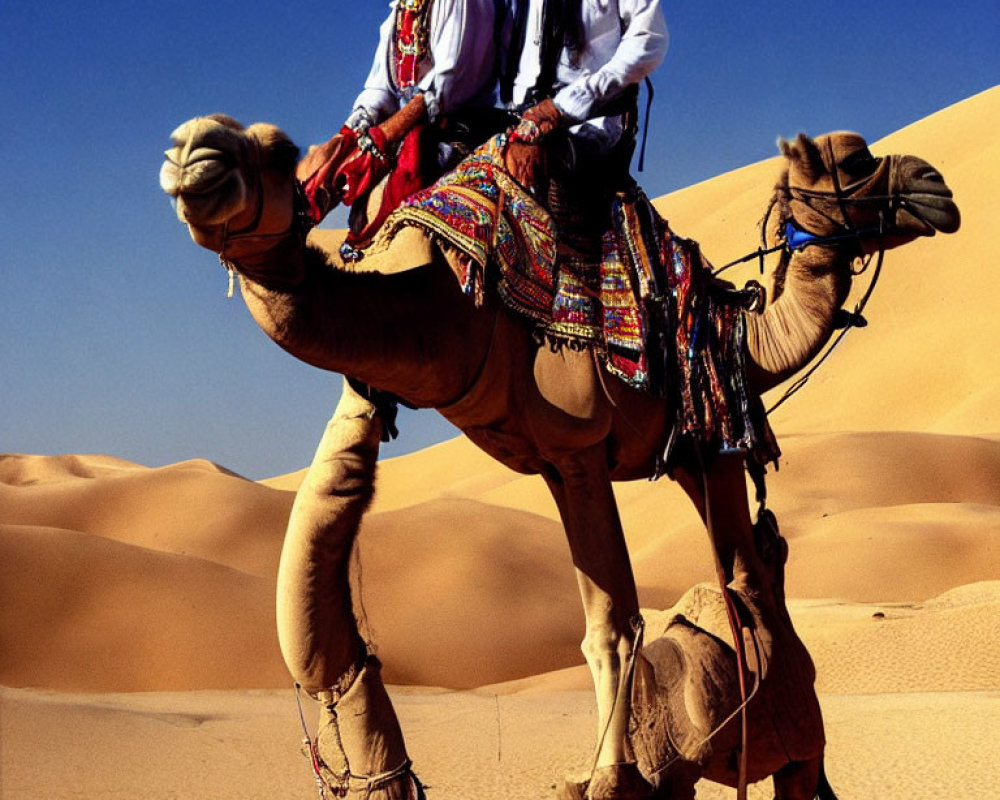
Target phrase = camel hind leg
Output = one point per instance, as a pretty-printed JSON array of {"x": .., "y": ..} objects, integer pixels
[{"x": 582, "y": 491}]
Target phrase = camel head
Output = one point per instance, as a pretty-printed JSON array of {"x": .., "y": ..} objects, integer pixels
[
  {"x": 835, "y": 194},
  {"x": 833, "y": 185},
  {"x": 233, "y": 186}
]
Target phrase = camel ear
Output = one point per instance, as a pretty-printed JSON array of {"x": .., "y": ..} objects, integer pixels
[
  {"x": 805, "y": 154},
  {"x": 811, "y": 156},
  {"x": 280, "y": 152}
]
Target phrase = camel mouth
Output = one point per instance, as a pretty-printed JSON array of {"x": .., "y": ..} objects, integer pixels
[
  {"x": 206, "y": 183},
  {"x": 200, "y": 172},
  {"x": 926, "y": 204},
  {"x": 214, "y": 198},
  {"x": 929, "y": 212}
]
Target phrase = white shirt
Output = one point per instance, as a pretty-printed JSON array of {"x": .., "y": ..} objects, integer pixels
[
  {"x": 625, "y": 41},
  {"x": 459, "y": 73}
]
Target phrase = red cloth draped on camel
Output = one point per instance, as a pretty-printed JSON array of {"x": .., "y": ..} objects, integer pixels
[{"x": 428, "y": 101}]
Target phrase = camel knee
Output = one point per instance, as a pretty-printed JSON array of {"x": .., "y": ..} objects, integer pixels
[
  {"x": 605, "y": 648},
  {"x": 346, "y": 476}
]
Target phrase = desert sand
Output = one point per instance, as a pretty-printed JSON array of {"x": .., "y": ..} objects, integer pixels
[{"x": 137, "y": 641}]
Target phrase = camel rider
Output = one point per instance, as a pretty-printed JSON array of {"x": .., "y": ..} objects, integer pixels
[
  {"x": 572, "y": 68},
  {"x": 428, "y": 100}
]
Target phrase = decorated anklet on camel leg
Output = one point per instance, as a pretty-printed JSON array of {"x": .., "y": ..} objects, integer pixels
[{"x": 359, "y": 690}]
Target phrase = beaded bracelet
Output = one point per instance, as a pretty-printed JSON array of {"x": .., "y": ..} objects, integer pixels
[
  {"x": 366, "y": 144},
  {"x": 526, "y": 132},
  {"x": 360, "y": 120}
]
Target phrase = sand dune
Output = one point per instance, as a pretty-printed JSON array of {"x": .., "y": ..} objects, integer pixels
[
  {"x": 86, "y": 613},
  {"x": 194, "y": 508},
  {"x": 119, "y": 578},
  {"x": 29, "y": 470}
]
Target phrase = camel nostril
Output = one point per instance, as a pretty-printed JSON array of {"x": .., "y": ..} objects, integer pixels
[
  {"x": 170, "y": 178},
  {"x": 930, "y": 175}
]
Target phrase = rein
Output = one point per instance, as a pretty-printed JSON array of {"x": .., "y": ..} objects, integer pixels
[{"x": 853, "y": 319}]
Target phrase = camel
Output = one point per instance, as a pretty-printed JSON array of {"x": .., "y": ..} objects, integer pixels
[
  {"x": 411, "y": 331},
  {"x": 684, "y": 724}
]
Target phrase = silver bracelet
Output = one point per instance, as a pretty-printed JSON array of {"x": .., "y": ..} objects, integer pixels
[
  {"x": 367, "y": 145},
  {"x": 360, "y": 120}
]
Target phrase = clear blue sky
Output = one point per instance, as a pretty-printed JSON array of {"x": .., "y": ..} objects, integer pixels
[{"x": 116, "y": 334}]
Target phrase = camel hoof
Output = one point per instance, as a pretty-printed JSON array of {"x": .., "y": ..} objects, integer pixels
[
  {"x": 616, "y": 782},
  {"x": 573, "y": 790}
]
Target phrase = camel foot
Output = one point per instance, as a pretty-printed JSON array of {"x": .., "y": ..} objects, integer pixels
[
  {"x": 573, "y": 790},
  {"x": 616, "y": 782}
]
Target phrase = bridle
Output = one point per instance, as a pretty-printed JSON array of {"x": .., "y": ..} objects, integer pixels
[
  {"x": 294, "y": 234},
  {"x": 794, "y": 237}
]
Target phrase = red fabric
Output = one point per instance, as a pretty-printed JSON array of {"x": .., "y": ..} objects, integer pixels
[
  {"x": 411, "y": 40},
  {"x": 318, "y": 173},
  {"x": 407, "y": 177},
  {"x": 339, "y": 172},
  {"x": 363, "y": 172}
]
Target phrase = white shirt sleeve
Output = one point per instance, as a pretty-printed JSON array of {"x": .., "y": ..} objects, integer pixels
[
  {"x": 463, "y": 50},
  {"x": 462, "y": 61},
  {"x": 639, "y": 51},
  {"x": 378, "y": 98}
]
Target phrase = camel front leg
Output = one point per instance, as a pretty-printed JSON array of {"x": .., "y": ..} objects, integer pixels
[
  {"x": 582, "y": 491},
  {"x": 359, "y": 745},
  {"x": 317, "y": 631}
]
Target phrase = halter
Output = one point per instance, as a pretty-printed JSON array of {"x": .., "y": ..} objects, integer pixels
[
  {"x": 296, "y": 231},
  {"x": 796, "y": 238}
]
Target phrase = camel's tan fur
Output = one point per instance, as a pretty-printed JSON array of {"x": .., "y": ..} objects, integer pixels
[
  {"x": 414, "y": 333},
  {"x": 685, "y": 720}
]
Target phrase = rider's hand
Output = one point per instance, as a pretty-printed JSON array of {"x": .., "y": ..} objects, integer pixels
[
  {"x": 525, "y": 163},
  {"x": 525, "y": 154},
  {"x": 369, "y": 165},
  {"x": 318, "y": 173},
  {"x": 546, "y": 115}
]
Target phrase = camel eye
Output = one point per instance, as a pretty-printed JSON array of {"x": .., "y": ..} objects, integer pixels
[{"x": 859, "y": 164}]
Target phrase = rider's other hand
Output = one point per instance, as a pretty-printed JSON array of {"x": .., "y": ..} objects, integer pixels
[
  {"x": 546, "y": 115},
  {"x": 524, "y": 163}
]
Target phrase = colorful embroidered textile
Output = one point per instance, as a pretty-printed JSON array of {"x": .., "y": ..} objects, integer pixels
[
  {"x": 413, "y": 22},
  {"x": 577, "y": 318},
  {"x": 627, "y": 289},
  {"x": 504, "y": 235},
  {"x": 682, "y": 337},
  {"x": 651, "y": 308}
]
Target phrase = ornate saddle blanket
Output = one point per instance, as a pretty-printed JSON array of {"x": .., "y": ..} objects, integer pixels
[{"x": 651, "y": 308}]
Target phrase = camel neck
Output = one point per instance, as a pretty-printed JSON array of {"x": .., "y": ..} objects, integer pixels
[
  {"x": 409, "y": 333},
  {"x": 799, "y": 321}
]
